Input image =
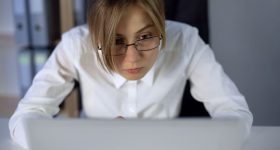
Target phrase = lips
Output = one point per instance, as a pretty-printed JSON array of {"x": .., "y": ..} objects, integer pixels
[{"x": 134, "y": 70}]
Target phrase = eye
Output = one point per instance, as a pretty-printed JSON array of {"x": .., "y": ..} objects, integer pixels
[
  {"x": 145, "y": 36},
  {"x": 119, "y": 41}
]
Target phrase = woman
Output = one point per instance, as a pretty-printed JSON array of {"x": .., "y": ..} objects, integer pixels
[{"x": 130, "y": 63}]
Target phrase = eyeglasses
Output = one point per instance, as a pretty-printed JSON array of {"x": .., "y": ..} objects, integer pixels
[{"x": 144, "y": 43}]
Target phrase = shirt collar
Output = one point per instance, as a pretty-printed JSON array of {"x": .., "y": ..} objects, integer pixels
[
  {"x": 118, "y": 80},
  {"x": 148, "y": 79}
]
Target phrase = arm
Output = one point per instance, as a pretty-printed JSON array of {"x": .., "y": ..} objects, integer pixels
[
  {"x": 48, "y": 90},
  {"x": 210, "y": 85}
]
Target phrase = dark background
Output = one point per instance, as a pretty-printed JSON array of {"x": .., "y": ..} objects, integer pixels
[{"x": 193, "y": 12}]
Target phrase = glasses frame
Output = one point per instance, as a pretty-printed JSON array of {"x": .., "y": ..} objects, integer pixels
[{"x": 135, "y": 45}]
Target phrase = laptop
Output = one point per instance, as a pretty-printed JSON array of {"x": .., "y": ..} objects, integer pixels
[{"x": 96, "y": 134}]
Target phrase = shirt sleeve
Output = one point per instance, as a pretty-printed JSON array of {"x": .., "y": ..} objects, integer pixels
[
  {"x": 49, "y": 88},
  {"x": 211, "y": 85}
]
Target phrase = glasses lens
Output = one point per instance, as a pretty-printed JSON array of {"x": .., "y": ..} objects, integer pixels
[
  {"x": 119, "y": 49},
  {"x": 141, "y": 45},
  {"x": 148, "y": 44}
]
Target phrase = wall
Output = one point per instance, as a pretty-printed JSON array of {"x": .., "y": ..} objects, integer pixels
[{"x": 245, "y": 38}]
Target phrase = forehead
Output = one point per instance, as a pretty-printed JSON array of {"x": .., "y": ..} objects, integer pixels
[{"x": 134, "y": 20}]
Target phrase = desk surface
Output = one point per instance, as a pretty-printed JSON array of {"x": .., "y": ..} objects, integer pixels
[{"x": 262, "y": 138}]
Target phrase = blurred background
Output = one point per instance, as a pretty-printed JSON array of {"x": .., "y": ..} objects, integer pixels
[{"x": 244, "y": 36}]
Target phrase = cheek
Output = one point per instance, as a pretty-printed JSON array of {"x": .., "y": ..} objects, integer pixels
[
  {"x": 151, "y": 58},
  {"x": 118, "y": 62},
  {"x": 147, "y": 59}
]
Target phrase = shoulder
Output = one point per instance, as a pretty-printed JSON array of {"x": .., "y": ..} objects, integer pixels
[
  {"x": 179, "y": 36},
  {"x": 77, "y": 32},
  {"x": 174, "y": 27},
  {"x": 78, "y": 38},
  {"x": 77, "y": 35}
]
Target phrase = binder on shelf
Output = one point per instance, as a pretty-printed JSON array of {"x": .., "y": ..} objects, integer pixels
[
  {"x": 21, "y": 18},
  {"x": 25, "y": 70},
  {"x": 44, "y": 20},
  {"x": 80, "y": 11},
  {"x": 40, "y": 58}
]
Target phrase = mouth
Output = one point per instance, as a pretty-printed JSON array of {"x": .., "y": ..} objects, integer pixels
[{"x": 134, "y": 70}]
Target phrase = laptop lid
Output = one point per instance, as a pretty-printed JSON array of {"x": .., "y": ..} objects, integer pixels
[{"x": 177, "y": 134}]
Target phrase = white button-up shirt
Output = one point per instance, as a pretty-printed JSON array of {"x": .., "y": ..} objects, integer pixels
[{"x": 157, "y": 95}]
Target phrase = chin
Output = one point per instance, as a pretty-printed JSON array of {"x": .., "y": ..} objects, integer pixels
[{"x": 133, "y": 77}]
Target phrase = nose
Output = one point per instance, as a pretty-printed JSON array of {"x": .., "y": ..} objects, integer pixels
[{"x": 132, "y": 54}]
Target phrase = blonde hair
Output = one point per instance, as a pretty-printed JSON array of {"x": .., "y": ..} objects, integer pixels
[{"x": 104, "y": 16}]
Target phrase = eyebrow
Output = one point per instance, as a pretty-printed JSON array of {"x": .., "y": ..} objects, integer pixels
[
  {"x": 145, "y": 27},
  {"x": 142, "y": 29}
]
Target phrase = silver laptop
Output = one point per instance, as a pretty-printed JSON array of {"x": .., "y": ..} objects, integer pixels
[{"x": 177, "y": 134}]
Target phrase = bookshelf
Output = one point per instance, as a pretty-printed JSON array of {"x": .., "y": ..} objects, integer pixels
[{"x": 37, "y": 31}]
